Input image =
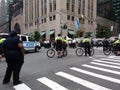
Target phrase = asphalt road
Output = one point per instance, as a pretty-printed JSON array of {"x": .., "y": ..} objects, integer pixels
[{"x": 39, "y": 72}]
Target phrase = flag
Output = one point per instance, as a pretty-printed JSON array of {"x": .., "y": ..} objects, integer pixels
[
  {"x": 15, "y": 4},
  {"x": 26, "y": 26},
  {"x": 77, "y": 23},
  {"x": 94, "y": 25},
  {"x": 37, "y": 23}
]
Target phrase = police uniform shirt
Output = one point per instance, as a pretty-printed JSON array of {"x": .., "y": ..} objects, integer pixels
[{"x": 11, "y": 48}]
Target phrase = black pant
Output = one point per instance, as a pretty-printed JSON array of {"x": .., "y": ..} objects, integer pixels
[
  {"x": 14, "y": 65},
  {"x": 87, "y": 49}
]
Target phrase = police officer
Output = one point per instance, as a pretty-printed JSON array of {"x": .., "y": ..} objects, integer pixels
[
  {"x": 1, "y": 50},
  {"x": 65, "y": 42},
  {"x": 86, "y": 44},
  {"x": 14, "y": 55},
  {"x": 59, "y": 43},
  {"x": 106, "y": 44},
  {"x": 116, "y": 44}
]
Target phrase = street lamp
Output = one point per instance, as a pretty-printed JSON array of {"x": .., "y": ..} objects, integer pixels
[{"x": 63, "y": 27}]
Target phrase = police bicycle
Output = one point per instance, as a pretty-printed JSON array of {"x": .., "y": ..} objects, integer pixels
[
  {"x": 51, "y": 52},
  {"x": 80, "y": 51},
  {"x": 107, "y": 50},
  {"x": 110, "y": 49}
]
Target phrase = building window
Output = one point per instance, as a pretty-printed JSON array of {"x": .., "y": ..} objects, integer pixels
[
  {"x": 89, "y": 9},
  {"x": 54, "y": 17},
  {"x": 68, "y": 5},
  {"x": 44, "y": 20},
  {"x": 45, "y": 6},
  {"x": 88, "y": 21},
  {"x": 72, "y": 18},
  {"x": 38, "y": 8},
  {"x": 92, "y": 9},
  {"x": 31, "y": 10},
  {"x": 83, "y": 8},
  {"x": 50, "y": 18},
  {"x": 54, "y": 4},
  {"x": 50, "y": 5},
  {"x": 79, "y": 6},
  {"x": 68, "y": 17},
  {"x": 73, "y": 5},
  {"x": 31, "y": 24},
  {"x": 42, "y": 7}
]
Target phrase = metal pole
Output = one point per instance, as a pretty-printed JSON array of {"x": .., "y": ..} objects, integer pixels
[
  {"x": 9, "y": 22},
  {"x": 10, "y": 15}
]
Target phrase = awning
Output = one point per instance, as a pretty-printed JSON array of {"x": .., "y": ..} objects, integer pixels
[
  {"x": 43, "y": 33},
  {"x": 51, "y": 32},
  {"x": 71, "y": 32}
]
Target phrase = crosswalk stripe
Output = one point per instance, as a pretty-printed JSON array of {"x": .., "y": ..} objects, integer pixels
[
  {"x": 109, "y": 59},
  {"x": 107, "y": 62},
  {"x": 106, "y": 65},
  {"x": 51, "y": 84},
  {"x": 101, "y": 69},
  {"x": 21, "y": 87},
  {"x": 114, "y": 57},
  {"x": 96, "y": 75},
  {"x": 81, "y": 81}
]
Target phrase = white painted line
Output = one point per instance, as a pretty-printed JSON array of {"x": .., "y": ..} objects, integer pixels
[
  {"x": 111, "y": 56},
  {"x": 80, "y": 81},
  {"x": 100, "y": 55},
  {"x": 101, "y": 48},
  {"x": 106, "y": 65},
  {"x": 106, "y": 62},
  {"x": 101, "y": 69},
  {"x": 51, "y": 84},
  {"x": 21, "y": 87},
  {"x": 96, "y": 75},
  {"x": 115, "y": 57},
  {"x": 90, "y": 57},
  {"x": 109, "y": 59}
]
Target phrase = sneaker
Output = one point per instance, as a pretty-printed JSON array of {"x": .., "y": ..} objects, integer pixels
[
  {"x": 17, "y": 83},
  {"x": 5, "y": 82}
]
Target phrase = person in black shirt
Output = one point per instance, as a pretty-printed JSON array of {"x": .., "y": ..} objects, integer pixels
[{"x": 14, "y": 55}]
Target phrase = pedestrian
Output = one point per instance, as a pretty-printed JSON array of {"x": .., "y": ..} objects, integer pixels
[{"x": 14, "y": 55}]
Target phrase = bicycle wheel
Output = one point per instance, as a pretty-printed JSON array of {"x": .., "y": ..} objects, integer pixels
[
  {"x": 107, "y": 51},
  {"x": 92, "y": 51},
  {"x": 79, "y": 51},
  {"x": 50, "y": 53}
]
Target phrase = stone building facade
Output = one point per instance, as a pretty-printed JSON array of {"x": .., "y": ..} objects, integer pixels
[{"x": 49, "y": 16}]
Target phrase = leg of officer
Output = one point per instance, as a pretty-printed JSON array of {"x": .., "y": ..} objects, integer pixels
[
  {"x": 8, "y": 72},
  {"x": 89, "y": 50},
  {"x": 85, "y": 48},
  {"x": 16, "y": 71}
]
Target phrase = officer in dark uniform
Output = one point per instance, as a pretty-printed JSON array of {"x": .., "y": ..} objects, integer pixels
[
  {"x": 1, "y": 50},
  {"x": 14, "y": 55},
  {"x": 86, "y": 44},
  {"x": 59, "y": 40}
]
